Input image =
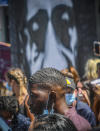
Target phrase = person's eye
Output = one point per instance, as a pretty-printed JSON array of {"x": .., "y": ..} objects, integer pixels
[{"x": 33, "y": 95}]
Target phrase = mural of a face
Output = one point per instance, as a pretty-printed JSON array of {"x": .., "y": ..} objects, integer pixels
[{"x": 50, "y": 34}]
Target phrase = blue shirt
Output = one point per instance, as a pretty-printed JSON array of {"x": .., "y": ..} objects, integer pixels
[
  {"x": 4, "y": 126},
  {"x": 84, "y": 110},
  {"x": 22, "y": 123}
]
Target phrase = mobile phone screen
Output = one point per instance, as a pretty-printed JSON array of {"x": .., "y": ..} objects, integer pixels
[
  {"x": 97, "y": 48},
  {"x": 95, "y": 82}
]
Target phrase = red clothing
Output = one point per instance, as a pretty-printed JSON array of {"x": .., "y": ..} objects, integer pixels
[{"x": 80, "y": 123}]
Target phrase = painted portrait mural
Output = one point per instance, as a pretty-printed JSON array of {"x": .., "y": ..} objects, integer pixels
[
  {"x": 45, "y": 36},
  {"x": 51, "y": 35}
]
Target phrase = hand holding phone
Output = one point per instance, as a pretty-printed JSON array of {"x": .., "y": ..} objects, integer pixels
[{"x": 96, "y": 48}]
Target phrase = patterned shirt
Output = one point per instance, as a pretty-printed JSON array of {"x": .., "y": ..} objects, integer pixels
[{"x": 22, "y": 123}]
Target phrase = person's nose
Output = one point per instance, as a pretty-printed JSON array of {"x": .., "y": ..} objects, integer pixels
[{"x": 53, "y": 56}]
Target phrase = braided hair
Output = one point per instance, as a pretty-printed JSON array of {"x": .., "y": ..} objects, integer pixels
[
  {"x": 18, "y": 75},
  {"x": 53, "y": 122},
  {"x": 9, "y": 103},
  {"x": 47, "y": 77}
]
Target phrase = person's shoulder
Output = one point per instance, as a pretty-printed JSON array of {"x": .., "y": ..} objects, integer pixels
[
  {"x": 79, "y": 121},
  {"x": 71, "y": 112},
  {"x": 4, "y": 126},
  {"x": 22, "y": 124},
  {"x": 81, "y": 105},
  {"x": 22, "y": 119}
]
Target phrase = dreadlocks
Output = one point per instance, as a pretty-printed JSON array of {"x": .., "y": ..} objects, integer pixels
[
  {"x": 48, "y": 76},
  {"x": 53, "y": 122},
  {"x": 9, "y": 103}
]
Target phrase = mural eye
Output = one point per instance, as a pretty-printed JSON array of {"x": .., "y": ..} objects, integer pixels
[
  {"x": 35, "y": 26},
  {"x": 65, "y": 16},
  {"x": 61, "y": 21}
]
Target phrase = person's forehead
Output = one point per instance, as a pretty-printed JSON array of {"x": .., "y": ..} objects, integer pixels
[
  {"x": 39, "y": 88},
  {"x": 69, "y": 90},
  {"x": 39, "y": 92},
  {"x": 34, "y": 5}
]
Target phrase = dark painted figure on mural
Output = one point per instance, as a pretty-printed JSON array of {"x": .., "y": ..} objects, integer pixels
[{"x": 49, "y": 34}]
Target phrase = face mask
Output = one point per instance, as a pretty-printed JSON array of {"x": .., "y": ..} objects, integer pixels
[
  {"x": 8, "y": 87},
  {"x": 46, "y": 110},
  {"x": 70, "y": 98}
]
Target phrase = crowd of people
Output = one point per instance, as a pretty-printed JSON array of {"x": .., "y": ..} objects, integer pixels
[{"x": 51, "y": 100}]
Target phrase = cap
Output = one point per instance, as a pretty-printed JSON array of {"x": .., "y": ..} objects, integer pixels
[{"x": 70, "y": 82}]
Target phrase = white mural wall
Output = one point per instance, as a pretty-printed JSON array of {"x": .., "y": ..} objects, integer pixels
[{"x": 51, "y": 35}]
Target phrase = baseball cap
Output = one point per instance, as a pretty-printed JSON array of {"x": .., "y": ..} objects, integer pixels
[{"x": 70, "y": 82}]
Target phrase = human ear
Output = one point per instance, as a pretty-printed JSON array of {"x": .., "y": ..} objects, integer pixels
[{"x": 51, "y": 100}]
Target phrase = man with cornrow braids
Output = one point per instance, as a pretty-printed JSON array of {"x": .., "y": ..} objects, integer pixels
[{"x": 47, "y": 89}]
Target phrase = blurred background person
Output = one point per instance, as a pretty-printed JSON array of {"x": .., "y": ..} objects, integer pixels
[
  {"x": 9, "y": 113},
  {"x": 4, "y": 91},
  {"x": 52, "y": 122},
  {"x": 18, "y": 81},
  {"x": 73, "y": 98}
]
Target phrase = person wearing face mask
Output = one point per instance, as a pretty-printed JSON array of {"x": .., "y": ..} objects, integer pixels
[
  {"x": 49, "y": 85},
  {"x": 5, "y": 89},
  {"x": 18, "y": 82},
  {"x": 9, "y": 89},
  {"x": 71, "y": 94},
  {"x": 72, "y": 100}
]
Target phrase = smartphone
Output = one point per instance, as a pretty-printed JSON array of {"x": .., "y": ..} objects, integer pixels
[
  {"x": 96, "y": 48},
  {"x": 95, "y": 82}
]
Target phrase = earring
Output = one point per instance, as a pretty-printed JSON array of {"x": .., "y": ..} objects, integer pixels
[
  {"x": 52, "y": 109},
  {"x": 45, "y": 112}
]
